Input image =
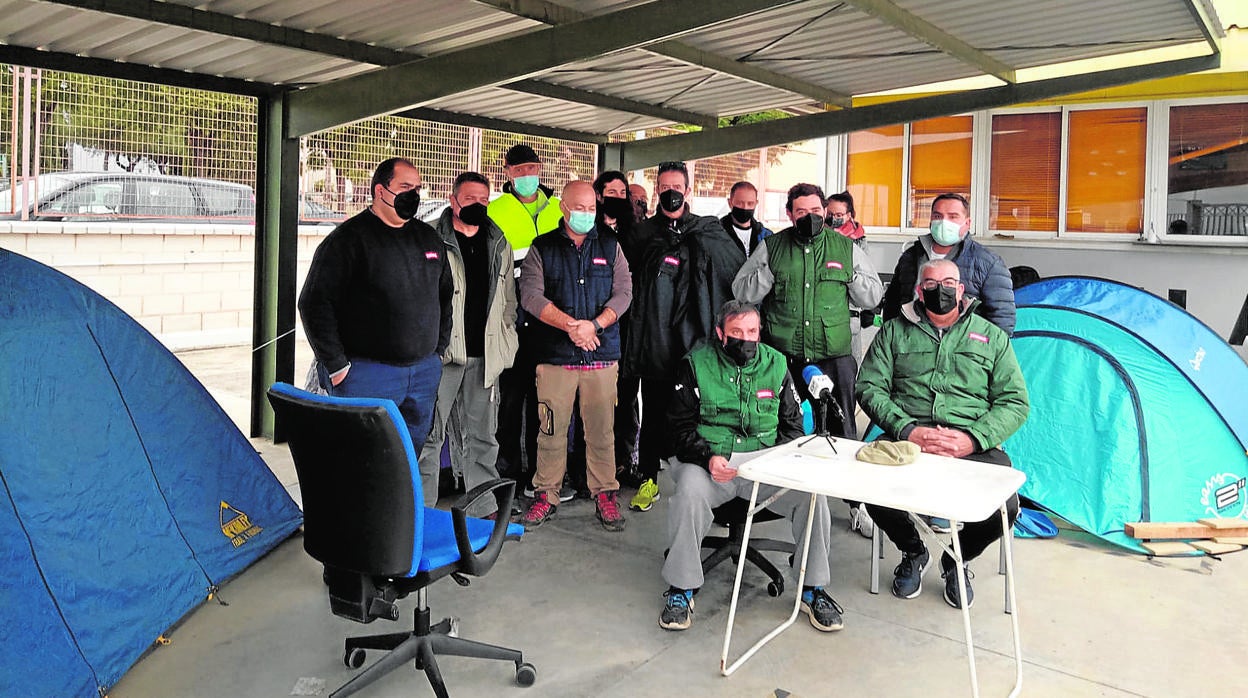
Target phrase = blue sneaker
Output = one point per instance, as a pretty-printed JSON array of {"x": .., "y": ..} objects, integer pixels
[
  {"x": 824, "y": 612},
  {"x": 677, "y": 611}
]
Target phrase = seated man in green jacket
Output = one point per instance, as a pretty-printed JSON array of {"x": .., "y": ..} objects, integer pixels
[
  {"x": 734, "y": 395},
  {"x": 947, "y": 379}
]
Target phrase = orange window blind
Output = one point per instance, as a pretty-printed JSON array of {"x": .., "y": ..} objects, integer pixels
[
  {"x": 940, "y": 162},
  {"x": 1026, "y": 161},
  {"x": 1105, "y": 171},
  {"x": 874, "y": 174}
]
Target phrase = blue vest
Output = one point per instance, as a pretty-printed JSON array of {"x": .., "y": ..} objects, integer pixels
[{"x": 578, "y": 282}]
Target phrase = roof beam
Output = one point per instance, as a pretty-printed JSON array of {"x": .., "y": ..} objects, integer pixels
[
  {"x": 598, "y": 99},
  {"x": 176, "y": 15},
  {"x": 53, "y": 60},
  {"x": 550, "y": 13},
  {"x": 423, "y": 81},
  {"x": 646, "y": 153},
  {"x": 1208, "y": 29},
  {"x": 928, "y": 33},
  {"x": 527, "y": 129}
]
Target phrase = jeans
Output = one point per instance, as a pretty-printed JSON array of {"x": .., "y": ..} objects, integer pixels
[{"x": 414, "y": 388}]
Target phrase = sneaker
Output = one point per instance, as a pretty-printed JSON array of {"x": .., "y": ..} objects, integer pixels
[
  {"x": 825, "y": 614},
  {"x": 951, "y": 584},
  {"x": 677, "y": 611},
  {"x": 539, "y": 512},
  {"x": 860, "y": 521},
  {"x": 646, "y": 496},
  {"x": 566, "y": 493},
  {"x": 609, "y": 511},
  {"x": 908, "y": 576}
]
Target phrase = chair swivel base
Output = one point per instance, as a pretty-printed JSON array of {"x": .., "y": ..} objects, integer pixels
[
  {"x": 723, "y": 548},
  {"x": 422, "y": 646}
]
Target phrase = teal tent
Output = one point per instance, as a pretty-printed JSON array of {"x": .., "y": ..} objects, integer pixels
[{"x": 1138, "y": 410}]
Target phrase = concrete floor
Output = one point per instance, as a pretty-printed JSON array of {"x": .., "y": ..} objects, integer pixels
[{"x": 582, "y": 604}]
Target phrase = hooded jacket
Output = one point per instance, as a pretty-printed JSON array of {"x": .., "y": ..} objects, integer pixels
[{"x": 983, "y": 273}]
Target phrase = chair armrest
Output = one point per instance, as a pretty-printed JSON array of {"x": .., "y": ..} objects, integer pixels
[{"x": 470, "y": 561}]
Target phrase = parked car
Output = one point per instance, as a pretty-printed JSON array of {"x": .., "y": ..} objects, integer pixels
[{"x": 99, "y": 196}]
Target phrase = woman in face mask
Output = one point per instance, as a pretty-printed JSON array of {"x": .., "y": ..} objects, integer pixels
[
  {"x": 614, "y": 208},
  {"x": 841, "y": 217}
]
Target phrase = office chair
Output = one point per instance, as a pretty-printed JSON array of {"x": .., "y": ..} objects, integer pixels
[
  {"x": 732, "y": 514},
  {"x": 365, "y": 519}
]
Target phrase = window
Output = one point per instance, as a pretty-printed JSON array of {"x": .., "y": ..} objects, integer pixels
[
  {"x": 1105, "y": 171},
  {"x": 1207, "y": 192},
  {"x": 874, "y": 174},
  {"x": 940, "y": 162},
  {"x": 1026, "y": 155}
]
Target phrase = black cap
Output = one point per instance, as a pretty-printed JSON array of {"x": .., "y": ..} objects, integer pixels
[{"x": 520, "y": 154}]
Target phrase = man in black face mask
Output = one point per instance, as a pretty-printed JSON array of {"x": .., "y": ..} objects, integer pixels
[
  {"x": 740, "y": 222},
  {"x": 687, "y": 263},
  {"x": 376, "y": 304},
  {"x": 946, "y": 378},
  {"x": 752, "y": 405},
  {"x": 482, "y": 343}
]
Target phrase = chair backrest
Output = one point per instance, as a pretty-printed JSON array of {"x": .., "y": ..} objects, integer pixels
[{"x": 359, "y": 478}]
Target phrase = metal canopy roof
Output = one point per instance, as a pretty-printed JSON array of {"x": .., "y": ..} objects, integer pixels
[{"x": 581, "y": 69}]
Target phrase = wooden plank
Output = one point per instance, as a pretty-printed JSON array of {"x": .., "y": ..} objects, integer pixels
[
  {"x": 1222, "y": 524},
  {"x": 1216, "y": 548},
  {"x": 1181, "y": 530},
  {"x": 1233, "y": 540},
  {"x": 1168, "y": 548}
]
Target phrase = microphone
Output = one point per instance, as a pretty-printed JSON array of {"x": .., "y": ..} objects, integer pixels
[{"x": 818, "y": 382}]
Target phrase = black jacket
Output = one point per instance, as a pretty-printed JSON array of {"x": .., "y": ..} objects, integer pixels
[{"x": 983, "y": 273}]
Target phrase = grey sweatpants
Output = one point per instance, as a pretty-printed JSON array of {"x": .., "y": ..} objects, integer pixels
[
  {"x": 468, "y": 412},
  {"x": 689, "y": 518}
]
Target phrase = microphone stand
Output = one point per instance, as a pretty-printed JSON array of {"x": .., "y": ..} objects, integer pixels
[{"x": 820, "y": 406}]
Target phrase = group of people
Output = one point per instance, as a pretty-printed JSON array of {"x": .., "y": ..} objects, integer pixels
[{"x": 708, "y": 321}]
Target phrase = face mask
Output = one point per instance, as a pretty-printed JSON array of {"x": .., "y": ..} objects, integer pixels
[
  {"x": 946, "y": 233},
  {"x": 581, "y": 222},
  {"x": 742, "y": 215},
  {"x": 940, "y": 300},
  {"x": 836, "y": 222},
  {"x": 525, "y": 186},
  {"x": 741, "y": 351},
  {"x": 473, "y": 214},
  {"x": 671, "y": 201},
  {"x": 616, "y": 207},
  {"x": 406, "y": 203},
  {"x": 808, "y": 226}
]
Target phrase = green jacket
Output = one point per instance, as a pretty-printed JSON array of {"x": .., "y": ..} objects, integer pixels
[
  {"x": 510, "y": 215},
  {"x": 739, "y": 406},
  {"x": 500, "y": 313},
  {"x": 968, "y": 379}
]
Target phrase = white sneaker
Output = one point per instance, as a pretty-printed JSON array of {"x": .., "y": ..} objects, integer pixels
[{"x": 860, "y": 521}]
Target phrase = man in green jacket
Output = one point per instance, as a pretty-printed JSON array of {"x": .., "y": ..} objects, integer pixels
[
  {"x": 482, "y": 344},
  {"x": 947, "y": 379}
]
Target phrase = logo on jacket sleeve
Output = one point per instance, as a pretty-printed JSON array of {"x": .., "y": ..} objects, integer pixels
[
  {"x": 833, "y": 265},
  {"x": 766, "y": 394},
  {"x": 671, "y": 260},
  {"x": 978, "y": 337},
  {"x": 431, "y": 255},
  {"x": 600, "y": 261}
]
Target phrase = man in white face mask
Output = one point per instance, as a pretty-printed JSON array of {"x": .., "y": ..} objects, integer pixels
[{"x": 984, "y": 274}]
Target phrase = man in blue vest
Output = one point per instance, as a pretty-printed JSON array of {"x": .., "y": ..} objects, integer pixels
[
  {"x": 734, "y": 395},
  {"x": 575, "y": 282}
]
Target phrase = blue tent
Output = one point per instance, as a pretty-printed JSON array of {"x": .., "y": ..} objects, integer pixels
[
  {"x": 128, "y": 494},
  {"x": 1137, "y": 409}
]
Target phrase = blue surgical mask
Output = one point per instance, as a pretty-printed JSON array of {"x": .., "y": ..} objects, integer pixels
[
  {"x": 946, "y": 233},
  {"x": 525, "y": 186},
  {"x": 581, "y": 222}
]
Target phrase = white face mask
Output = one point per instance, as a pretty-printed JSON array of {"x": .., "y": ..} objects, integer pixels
[{"x": 946, "y": 233}]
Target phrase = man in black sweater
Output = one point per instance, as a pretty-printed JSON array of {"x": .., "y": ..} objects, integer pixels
[{"x": 376, "y": 304}]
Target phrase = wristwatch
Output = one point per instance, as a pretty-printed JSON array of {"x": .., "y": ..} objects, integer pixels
[{"x": 597, "y": 327}]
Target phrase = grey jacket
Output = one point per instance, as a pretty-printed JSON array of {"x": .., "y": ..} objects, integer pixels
[{"x": 500, "y": 317}]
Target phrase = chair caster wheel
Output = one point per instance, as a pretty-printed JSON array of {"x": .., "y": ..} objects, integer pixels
[
  {"x": 353, "y": 658},
  {"x": 775, "y": 588},
  {"x": 526, "y": 674}
]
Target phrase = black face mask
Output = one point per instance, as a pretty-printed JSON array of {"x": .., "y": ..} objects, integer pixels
[
  {"x": 940, "y": 300},
  {"x": 472, "y": 214},
  {"x": 406, "y": 203},
  {"x": 835, "y": 222},
  {"x": 808, "y": 226},
  {"x": 742, "y": 215},
  {"x": 671, "y": 201},
  {"x": 616, "y": 207},
  {"x": 741, "y": 351}
]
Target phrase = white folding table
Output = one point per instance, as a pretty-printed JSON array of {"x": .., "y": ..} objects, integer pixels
[{"x": 949, "y": 488}]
